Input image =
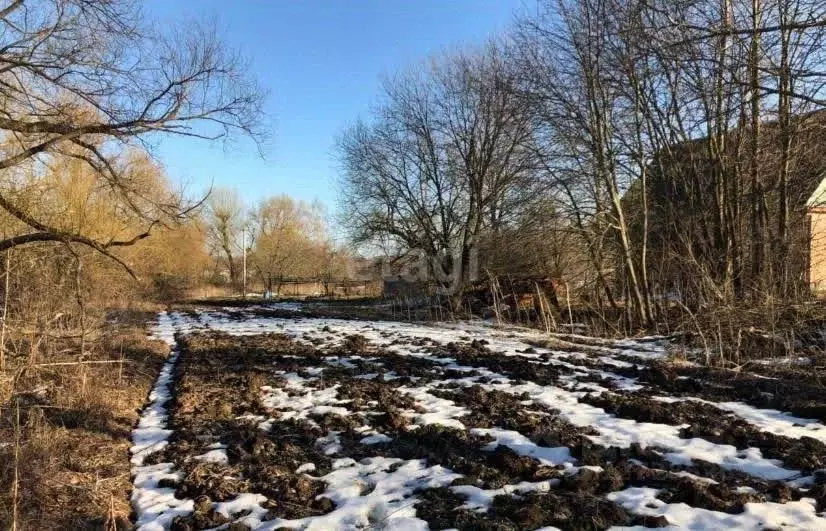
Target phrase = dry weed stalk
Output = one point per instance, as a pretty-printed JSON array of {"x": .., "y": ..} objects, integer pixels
[
  {"x": 496, "y": 294},
  {"x": 699, "y": 331},
  {"x": 111, "y": 517},
  {"x": 15, "y": 487},
  {"x": 5, "y": 312},
  {"x": 545, "y": 312}
]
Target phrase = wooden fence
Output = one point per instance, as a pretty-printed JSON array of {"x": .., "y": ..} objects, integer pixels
[{"x": 310, "y": 287}]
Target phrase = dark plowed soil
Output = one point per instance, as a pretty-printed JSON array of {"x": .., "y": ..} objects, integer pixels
[
  {"x": 219, "y": 380},
  {"x": 221, "y": 404},
  {"x": 789, "y": 391},
  {"x": 806, "y": 454},
  {"x": 441, "y": 508}
]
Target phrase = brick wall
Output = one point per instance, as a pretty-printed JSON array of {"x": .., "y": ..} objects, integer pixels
[{"x": 817, "y": 251}]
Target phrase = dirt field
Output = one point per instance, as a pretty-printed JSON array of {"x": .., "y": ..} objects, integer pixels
[{"x": 267, "y": 419}]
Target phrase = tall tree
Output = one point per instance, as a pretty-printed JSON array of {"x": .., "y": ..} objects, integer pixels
[
  {"x": 289, "y": 237},
  {"x": 439, "y": 160},
  {"x": 225, "y": 219}
]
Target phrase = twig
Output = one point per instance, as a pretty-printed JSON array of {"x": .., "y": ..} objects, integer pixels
[{"x": 699, "y": 331}]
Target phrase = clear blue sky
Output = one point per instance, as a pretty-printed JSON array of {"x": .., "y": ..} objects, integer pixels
[{"x": 322, "y": 62}]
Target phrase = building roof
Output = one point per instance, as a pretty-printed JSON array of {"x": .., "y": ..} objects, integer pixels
[{"x": 818, "y": 197}]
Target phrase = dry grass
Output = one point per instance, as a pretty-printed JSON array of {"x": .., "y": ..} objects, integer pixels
[
  {"x": 74, "y": 426},
  {"x": 732, "y": 335}
]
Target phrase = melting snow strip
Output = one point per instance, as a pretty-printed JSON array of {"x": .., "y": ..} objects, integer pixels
[
  {"x": 615, "y": 431},
  {"x": 769, "y": 420},
  {"x": 480, "y": 500},
  {"x": 156, "y": 506},
  {"x": 796, "y": 515}
]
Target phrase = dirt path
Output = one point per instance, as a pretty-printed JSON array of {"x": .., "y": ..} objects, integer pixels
[{"x": 268, "y": 420}]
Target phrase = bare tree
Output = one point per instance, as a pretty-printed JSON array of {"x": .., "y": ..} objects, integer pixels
[
  {"x": 83, "y": 78},
  {"x": 683, "y": 131},
  {"x": 756, "y": 70},
  {"x": 572, "y": 62},
  {"x": 438, "y": 162},
  {"x": 225, "y": 220}
]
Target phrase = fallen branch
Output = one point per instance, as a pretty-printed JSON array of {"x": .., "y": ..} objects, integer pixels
[{"x": 66, "y": 363}]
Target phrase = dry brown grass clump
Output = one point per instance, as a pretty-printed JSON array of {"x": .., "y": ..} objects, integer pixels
[{"x": 65, "y": 428}]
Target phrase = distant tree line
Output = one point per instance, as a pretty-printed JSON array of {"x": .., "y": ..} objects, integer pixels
[{"x": 283, "y": 238}]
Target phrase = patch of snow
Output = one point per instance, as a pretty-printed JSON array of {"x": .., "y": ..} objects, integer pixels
[
  {"x": 367, "y": 495},
  {"x": 214, "y": 456},
  {"x": 376, "y": 438},
  {"x": 303, "y": 400},
  {"x": 329, "y": 444},
  {"x": 770, "y": 420},
  {"x": 694, "y": 477},
  {"x": 777, "y": 422},
  {"x": 614, "y": 431},
  {"x": 524, "y": 446},
  {"x": 335, "y": 361},
  {"x": 306, "y": 467},
  {"x": 437, "y": 410},
  {"x": 243, "y": 503},
  {"x": 481, "y": 500},
  {"x": 797, "y": 515}
]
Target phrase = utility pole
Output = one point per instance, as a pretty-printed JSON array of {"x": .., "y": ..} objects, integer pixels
[{"x": 245, "y": 262}]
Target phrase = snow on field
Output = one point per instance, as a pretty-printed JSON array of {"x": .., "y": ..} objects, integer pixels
[
  {"x": 391, "y": 500},
  {"x": 387, "y": 506},
  {"x": 769, "y": 420},
  {"x": 436, "y": 410},
  {"x": 302, "y": 401},
  {"x": 623, "y": 433},
  {"x": 481, "y": 499},
  {"x": 156, "y": 506},
  {"x": 793, "y": 515}
]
